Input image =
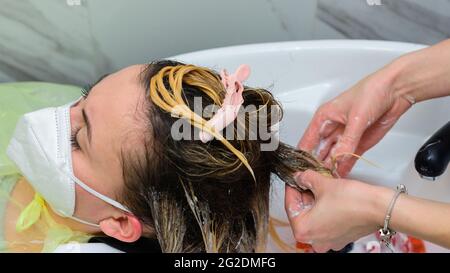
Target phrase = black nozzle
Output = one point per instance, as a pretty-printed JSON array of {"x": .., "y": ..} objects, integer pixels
[{"x": 433, "y": 157}]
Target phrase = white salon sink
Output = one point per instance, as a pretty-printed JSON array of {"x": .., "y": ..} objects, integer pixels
[{"x": 303, "y": 75}]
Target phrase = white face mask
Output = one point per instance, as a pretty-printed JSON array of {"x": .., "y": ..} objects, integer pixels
[{"x": 41, "y": 149}]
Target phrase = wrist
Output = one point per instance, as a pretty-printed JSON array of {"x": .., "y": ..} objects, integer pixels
[
  {"x": 391, "y": 80},
  {"x": 378, "y": 202},
  {"x": 401, "y": 84},
  {"x": 422, "y": 74}
]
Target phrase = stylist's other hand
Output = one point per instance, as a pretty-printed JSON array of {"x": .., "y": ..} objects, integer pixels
[
  {"x": 354, "y": 121},
  {"x": 334, "y": 212}
]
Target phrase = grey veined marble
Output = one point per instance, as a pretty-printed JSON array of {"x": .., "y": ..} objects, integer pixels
[
  {"x": 416, "y": 21},
  {"x": 57, "y": 48},
  {"x": 75, "y": 41}
]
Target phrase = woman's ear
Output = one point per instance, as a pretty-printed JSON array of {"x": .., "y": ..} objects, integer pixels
[{"x": 126, "y": 228}]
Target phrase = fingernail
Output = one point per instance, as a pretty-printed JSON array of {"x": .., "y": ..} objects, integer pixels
[
  {"x": 320, "y": 147},
  {"x": 323, "y": 125},
  {"x": 301, "y": 181},
  {"x": 315, "y": 152}
]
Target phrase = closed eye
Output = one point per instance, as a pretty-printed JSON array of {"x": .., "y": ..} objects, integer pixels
[{"x": 74, "y": 141}]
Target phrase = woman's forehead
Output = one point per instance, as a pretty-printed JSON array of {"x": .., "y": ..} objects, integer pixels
[{"x": 116, "y": 105}]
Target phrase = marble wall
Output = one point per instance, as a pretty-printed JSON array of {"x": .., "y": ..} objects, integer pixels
[
  {"x": 75, "y": 41},
  {"x": 417, "y": 21},
  {"x": 48, "y": 41}
]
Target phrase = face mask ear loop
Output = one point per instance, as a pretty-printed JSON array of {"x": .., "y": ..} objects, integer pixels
[
  {"x": 100, "y": 196},
  {"x": 85, "y": 222}
]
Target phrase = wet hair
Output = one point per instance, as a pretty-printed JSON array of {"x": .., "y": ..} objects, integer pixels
[{"x": 203, "y": 197}]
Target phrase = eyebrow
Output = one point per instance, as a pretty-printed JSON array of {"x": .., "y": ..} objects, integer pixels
[{"x": 85, "y": 116}]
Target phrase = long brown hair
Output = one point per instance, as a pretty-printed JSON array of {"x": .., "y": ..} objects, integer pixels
[{"x": 203, "y": 197}]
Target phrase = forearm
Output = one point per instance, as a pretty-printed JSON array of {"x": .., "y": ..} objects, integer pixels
[
  {"x": 424, "y": 74},
  {"x": 418, "y": 217}
]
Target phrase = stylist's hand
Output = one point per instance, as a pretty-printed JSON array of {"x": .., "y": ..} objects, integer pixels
[
  {"x": 341, "y": 211},
  {"x": 354, "y": 121}
]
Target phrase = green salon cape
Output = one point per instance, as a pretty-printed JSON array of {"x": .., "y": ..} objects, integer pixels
[{"x": 19, "y": 98}]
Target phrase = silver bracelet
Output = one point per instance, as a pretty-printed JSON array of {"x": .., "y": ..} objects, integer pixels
[{"x": 385, "y": 232}]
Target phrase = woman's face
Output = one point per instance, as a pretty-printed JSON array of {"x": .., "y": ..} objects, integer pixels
[{"x": 108, "y": 120}]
